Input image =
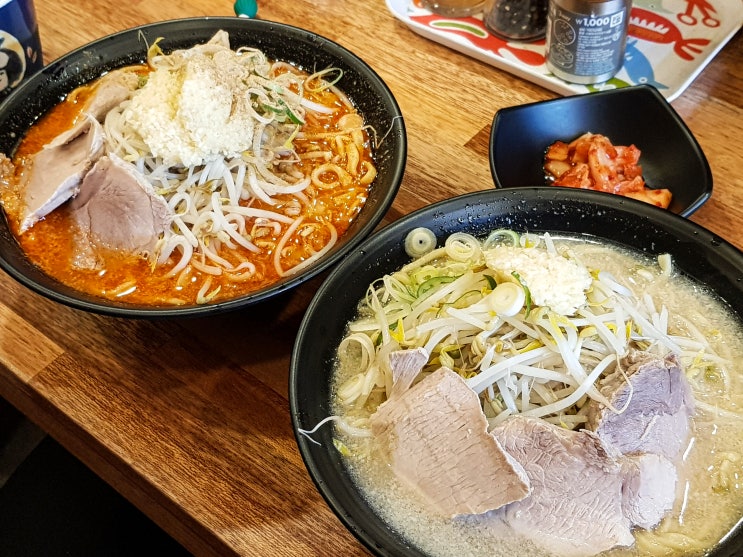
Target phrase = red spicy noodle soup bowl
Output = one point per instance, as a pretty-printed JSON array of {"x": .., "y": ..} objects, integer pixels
[{"x": 303, "y": 50}]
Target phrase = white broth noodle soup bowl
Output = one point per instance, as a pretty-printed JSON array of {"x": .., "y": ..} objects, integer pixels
[
  {"x": 303, "y": 49},
  {"x": 370, "y": 512}
]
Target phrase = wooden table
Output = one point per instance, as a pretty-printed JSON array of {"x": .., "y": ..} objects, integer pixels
[{"x": 189, "y": 420}]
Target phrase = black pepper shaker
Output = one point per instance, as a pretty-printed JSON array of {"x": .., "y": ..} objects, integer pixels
[{"x": 519, "y": 20}]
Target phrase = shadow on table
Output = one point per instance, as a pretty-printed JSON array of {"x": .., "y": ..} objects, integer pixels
[{"x": 51, "y": 504}]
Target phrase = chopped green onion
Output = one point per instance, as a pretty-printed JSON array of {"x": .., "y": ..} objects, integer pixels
[
  {"x": 419, "y": 242},
  {"x": 527, "y": 293},
  {"x": 433, "y": 283}
]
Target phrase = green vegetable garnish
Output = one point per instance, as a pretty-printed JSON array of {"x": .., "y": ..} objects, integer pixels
[{"x": 527, "y": 294}]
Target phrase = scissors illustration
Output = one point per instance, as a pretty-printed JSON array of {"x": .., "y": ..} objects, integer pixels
[{"x": 706, "y": 10}]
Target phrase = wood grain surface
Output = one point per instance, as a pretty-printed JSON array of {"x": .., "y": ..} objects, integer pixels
[{"x": 189, "y": 419}]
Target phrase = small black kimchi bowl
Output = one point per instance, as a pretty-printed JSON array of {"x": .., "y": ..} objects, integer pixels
[
  {"x": 696, "y": 252},
  {"x": 639, "y": 115},
  {"x": 310, "y": 51}
]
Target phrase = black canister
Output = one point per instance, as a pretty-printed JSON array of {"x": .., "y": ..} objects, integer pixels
[
  {"x": 586, "y": 38},
  {"x": 518, "y": 20}
]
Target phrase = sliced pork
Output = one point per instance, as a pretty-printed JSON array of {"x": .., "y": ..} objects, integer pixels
[
  {"x": 576, "y": 506},
  {"x": 657, "y": 417},
  {"x": 649, "y": 488},
  {"x": 405, "y": 366},
  {"x": 118, "y": 209},
  {"x": 56, "y": 172},
  {"x": 110, "y": 91},
  {"x": 435, "y": 438}
]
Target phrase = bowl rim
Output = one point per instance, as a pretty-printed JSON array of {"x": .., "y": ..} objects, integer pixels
[
  {"x": 335, "y": 280},
  {"x": 204, "y": 27},
  {"x": 641, "y": 91}
]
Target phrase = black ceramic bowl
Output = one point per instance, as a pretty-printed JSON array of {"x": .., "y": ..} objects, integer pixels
[
  {"x": 696, "y": 252},
  {"x": 670, "y": 155},
  {"x": 360, "y": 82}
]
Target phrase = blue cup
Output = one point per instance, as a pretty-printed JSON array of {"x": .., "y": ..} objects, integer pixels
[{"x": 20, "y": 47}]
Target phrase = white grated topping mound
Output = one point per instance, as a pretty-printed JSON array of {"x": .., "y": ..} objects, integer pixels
[
  {"x": 553, "y": 280},
  {"x": 196, "y": 108}
]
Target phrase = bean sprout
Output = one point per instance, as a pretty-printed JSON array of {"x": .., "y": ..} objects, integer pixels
[
  {"x": 475, "y": 320},
  {"x": 225, "y": 202}
]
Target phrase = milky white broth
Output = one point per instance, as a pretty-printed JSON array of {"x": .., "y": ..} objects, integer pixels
[{"x": 699, "y": 520}]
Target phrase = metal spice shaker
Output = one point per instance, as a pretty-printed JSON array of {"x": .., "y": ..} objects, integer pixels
[
  {"x": 520, "y": 20},
  {"x": 586, "y": 38}
]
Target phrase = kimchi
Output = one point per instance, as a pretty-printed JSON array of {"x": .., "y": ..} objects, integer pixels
[{"x": 592, "y": 162}]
